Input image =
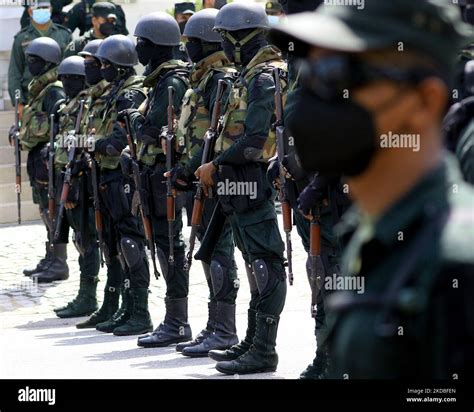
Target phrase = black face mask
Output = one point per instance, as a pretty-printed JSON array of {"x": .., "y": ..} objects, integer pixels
[
  {"x": 332, "y": 136},
  {"x": 195, "y": 51},
  {"x": 182, "y": 25},
  {"x": 248, "y": 49},
  {"x": 145, "y": 49},
  {"x": 73, "y": 85},
  {"x": 107, "y": 28},
  {"x": 109, "y": 73},
  {"x": 36, "y": 65},
  {"x": 93, "y": 72}
]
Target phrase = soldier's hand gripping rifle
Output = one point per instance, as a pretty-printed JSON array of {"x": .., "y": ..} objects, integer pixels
[
  {"x": 283, "y": 195},
  {"x": 170, "y": 192},
  {"x": 99, "y": 226},
  {"x": 51, "y": 192},
  {"x": 208, "y": 153},
  {"x": 71, "y": 154},
  {"x": 143, "y": 197},
  {"x": 17, "y": 155}
]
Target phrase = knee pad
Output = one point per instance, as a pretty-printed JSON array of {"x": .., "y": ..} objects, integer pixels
[
  {"x": 131, "y": 252},
  {"x": 223, "y": 277},
  {"x": 251, "y": 277}
]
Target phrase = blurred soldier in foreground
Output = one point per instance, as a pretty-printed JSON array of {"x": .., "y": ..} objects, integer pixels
[{"x": 407, "y": 271}]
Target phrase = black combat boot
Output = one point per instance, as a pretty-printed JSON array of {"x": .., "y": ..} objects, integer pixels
[
  {"x": 42, "y": 264},
  {"x": 140, "y": 320},
  {"x": 319, "y": 369},
  {"x": 85, "y": 302},
  {"x": 261, "y": 356},
  {"x": 237, "y": 350},
  {"x": 211, "y": 307},
  {"x": 106, "y": 311},
  {"x": 224, "y": 335},
  {"x": 58, "y": 269},
  {"x": 174, "y": 329},
  {"x": 120, "y": 317}
]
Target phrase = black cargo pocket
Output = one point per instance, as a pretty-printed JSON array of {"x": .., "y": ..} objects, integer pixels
[
  {"x": 157, "y": 183},
  {"x": 263, "y": 239}
]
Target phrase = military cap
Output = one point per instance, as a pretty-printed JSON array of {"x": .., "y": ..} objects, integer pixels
[
  {"x": 218, "y": 4},
  {"x": 273, "y": 7},
  {"x": 38, "y": 3},
  {"x": 432, "y": 27},
  {"x": 184, "y": 8},
  {"x": 104, "y": 9}
]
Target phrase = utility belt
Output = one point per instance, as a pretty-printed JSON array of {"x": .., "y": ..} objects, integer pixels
[{"x": 242, "y": 188}]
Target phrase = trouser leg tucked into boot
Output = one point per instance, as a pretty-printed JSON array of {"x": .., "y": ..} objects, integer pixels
[
  {"x": 174, "y": 329},
  {"x": 43, "y": 264},
  {"x": 211, "y": 306},
  {"x": 261, "y": 356},
  {"x": 224, "y": 335},
  {"x": 120, "y": 317},
  {"x": 140, "y": 320},
  {"x": 58, "y": 269},
  {"x": 85, "y": 302}
]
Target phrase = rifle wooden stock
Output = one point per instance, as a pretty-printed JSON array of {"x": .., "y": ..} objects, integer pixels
[{"x": 315, "y": 238}]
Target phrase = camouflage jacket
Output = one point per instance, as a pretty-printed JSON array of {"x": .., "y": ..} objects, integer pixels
[
  {"x": 198, "y": 103},
  {"x": 126, "y": 94},
  {"x": 44, "y": 92},
  {"x": 152, "y": 115},
  {"x": 247, "y": 133}
]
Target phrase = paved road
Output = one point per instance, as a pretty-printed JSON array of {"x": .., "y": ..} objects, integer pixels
[{"x": 36, "y": 344}]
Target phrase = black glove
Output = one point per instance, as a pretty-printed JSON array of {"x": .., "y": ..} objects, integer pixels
[
  {"x": 12, "y": 134},
  {"x": 78, "y": 166},
  {"x": 273, "y": 171},
  {"x": 126, "y": 162},
  {"x": 125, "y": 113},
  {"x": 149, "y": 135},
  {"x": 315, "y": 192},
  {"x": 182, "y": 178}
]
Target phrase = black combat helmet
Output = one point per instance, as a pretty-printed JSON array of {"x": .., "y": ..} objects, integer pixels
[
  {"x": 72, "y": 65},
  {"x": 118, "y": 49},
  {"x": 201, "y": 25},
  {"x": 240, "y": 16},
  {"x": 160, "y": 28},
  {"x": 46, "y": 48},
  {"x": 91, "y": 48}
]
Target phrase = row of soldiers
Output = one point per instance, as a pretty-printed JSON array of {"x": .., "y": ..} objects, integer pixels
[{"x": 125, "y": 150}]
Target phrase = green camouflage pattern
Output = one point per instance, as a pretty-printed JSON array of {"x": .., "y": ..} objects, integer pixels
[
  {"x": 265, "y": 60},
  {"x": 35, "y": 121},
  {"x": 151, "y": 81},
  {"x": 109, "y": 117},
  {"x": 195, "y": 118}
]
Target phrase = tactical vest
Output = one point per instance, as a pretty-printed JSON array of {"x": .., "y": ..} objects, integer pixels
[
  {"x": 176, "y": 68},
  {"x": 35, "y": 121},
  {"x": 195, "y": 118},
  {"x": 234, "y": 118},
  {"x": 95, "y": 106},
  {"x": 109, "y": 116},
  {"x": 67, "y": 122}
]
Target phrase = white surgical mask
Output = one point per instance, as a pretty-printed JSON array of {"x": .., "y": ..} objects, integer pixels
[{"x": 273, "y": 20}]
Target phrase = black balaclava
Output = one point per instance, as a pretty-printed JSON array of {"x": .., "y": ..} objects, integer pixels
[
  {"x": 198, "y": 49},
  {"x": 93, "y": 72},
  {"x": 248, "y": 50},
  {"x": 73, "y": 84},
  {"x": 153, "y": 54},
  {"x": 113, "y": 72},
  {"x": 37, "y": 65}
]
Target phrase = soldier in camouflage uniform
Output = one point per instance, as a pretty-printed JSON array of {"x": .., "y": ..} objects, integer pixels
[
  {"x": 44, "y": 91},
  {"x": 407, "y": 270},
  {"x": 123, "y": 235},
  {"x": 103, "y": 25},
  {"x": 158, "y": 35},
  {"x": 98, "y": 95},
  {"x": 78, "y": 212},
  {"x": 80, "y": 17},
  {"x": 210, "y": 66},
  {"x": 243, "y": 150},
  {"x": 19, "y": 76}
]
